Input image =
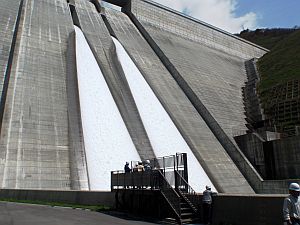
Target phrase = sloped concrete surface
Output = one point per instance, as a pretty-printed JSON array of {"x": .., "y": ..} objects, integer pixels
[
  {"x": 213, "y": 158},
  {"x": 207, "y": 74}
]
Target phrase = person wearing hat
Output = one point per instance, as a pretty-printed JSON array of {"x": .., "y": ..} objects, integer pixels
[
  {"x": 291, "y": 206},
  {"x": 207, "y": 205},
  {"x": 147, "y": 165}
]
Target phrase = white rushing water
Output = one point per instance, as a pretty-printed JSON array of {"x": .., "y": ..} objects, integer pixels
[
  {"x": 108, "y": 144},
  {"x": 163, "y": 134}
]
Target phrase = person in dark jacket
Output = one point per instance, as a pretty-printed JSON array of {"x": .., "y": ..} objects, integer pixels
[
  {"x": 207, "y": 205},
  {"x": 127, "y": 168},
  {"x": 147, "y": 165}
]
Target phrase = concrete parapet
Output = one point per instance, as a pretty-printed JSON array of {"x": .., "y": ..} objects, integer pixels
[
  {"x": 227, "y": 208},
  {"x": 68, "y": 197},
  {"x": 248, "y": 209}
]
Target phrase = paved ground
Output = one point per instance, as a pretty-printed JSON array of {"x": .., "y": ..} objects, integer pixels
[{"x": 26, "y": 214}]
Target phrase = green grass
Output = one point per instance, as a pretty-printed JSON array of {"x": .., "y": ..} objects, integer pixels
[
  {"x": 267, "y": 38},
  {"x": 277, "y": 67},
  {"x": 96, "y": 208},
  {"x": 281, "y": 64}
]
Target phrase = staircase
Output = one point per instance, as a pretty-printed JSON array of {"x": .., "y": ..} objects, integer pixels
[
  {"x": 185, "y": 203},
  {"x": 187, "y": 213},
  {"x": 252, "y": 106}
]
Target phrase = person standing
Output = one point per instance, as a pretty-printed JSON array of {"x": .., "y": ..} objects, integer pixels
[
  {"x": 126, "y": 168},
  {"x": 291, "y": 206},
  {"x": 147, "y": 165},
  {"x": 140, "y": 167},
  {"x": 207, "y": 205}
]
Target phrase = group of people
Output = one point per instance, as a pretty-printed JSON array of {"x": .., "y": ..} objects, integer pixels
[{"x": 139, "y": 167}]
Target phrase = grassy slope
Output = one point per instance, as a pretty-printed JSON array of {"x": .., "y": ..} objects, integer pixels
[
  {"x": 282, "y": 63},
  {"x": 278, "y": 66},
  {"x": 267, "y": 38}
]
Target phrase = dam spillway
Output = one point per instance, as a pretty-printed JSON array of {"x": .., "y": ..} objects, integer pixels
[
  {"x": 164, "y": 136},
  {"x": 195, "y": 71},
  {"x": 106, "y": 138}
]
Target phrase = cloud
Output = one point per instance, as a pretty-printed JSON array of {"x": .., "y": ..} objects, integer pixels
[{"x": 219, "y": 13}]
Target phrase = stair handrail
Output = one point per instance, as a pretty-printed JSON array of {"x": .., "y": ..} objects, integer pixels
[
  {"x": 188, "y": 193},
  {"x": 169, "y": 193}
]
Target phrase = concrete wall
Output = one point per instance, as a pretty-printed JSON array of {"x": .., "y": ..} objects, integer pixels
[
  {"x": 213, "y": 91},
  {"x": 8, "y": 18},
  {"x": 68, "y": 197},
  {"x": 213, "y": 158},
  {"x": 227, "y": 209},
  {"x": 252, "y": 147},
  {"x": 41, "y": 148},
  {"x": 211, "y": 78},
  {"x": 34, "y": 143},
  {"x": 286, "y": 154},
  {"x": 278, "y": 159},
  {"x": 248, "y": 210}
]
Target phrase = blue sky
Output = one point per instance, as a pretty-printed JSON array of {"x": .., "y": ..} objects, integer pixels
[
  {"x": 272, "y": 13},
  {"x": 234, "y": 15}
]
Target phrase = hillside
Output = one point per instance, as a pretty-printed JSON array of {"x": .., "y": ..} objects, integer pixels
[
  {"x": 280, "y": 75},
  {"x": 282, "y": 63},
  {"x": 267, "y": 38}
]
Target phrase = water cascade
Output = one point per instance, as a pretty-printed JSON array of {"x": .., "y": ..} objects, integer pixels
[{"x": 108, "y": 144}]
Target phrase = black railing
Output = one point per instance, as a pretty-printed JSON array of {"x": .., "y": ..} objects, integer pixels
[
  {"x": 134, "y": 180},
  {"x": 167, "y": 175},
  {"x": 147, "y": 180},
  {"x": 187, "y": 192},
  {"x": 170, "y": 195},
  {"x": 167, "y": 164}
]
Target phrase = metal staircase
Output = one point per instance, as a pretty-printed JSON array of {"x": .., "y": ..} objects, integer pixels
[
  {"x": 170, "y": 179},
  {"x": 180, "y": 199}
]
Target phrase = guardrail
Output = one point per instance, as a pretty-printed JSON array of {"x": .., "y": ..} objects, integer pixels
[
  {"x": 187, "y": 192},
  {"x": 147, "y": 180}
]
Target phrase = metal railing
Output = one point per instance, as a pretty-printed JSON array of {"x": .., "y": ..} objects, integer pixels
[
  {"x": 167, "y": 174},
  {"x": 170, "y": 195},
  {"x": 133, "y": 180},
  {"x": 187, "y": 192},
  {"x": 151, "y": 180},
  {"x": 167, "y": 164}
]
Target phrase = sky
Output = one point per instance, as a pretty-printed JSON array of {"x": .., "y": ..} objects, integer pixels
[{"x": 237, "y": 15}]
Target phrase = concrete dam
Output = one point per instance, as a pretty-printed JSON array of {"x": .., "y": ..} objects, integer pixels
[{"x": 85, "y": 88}]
